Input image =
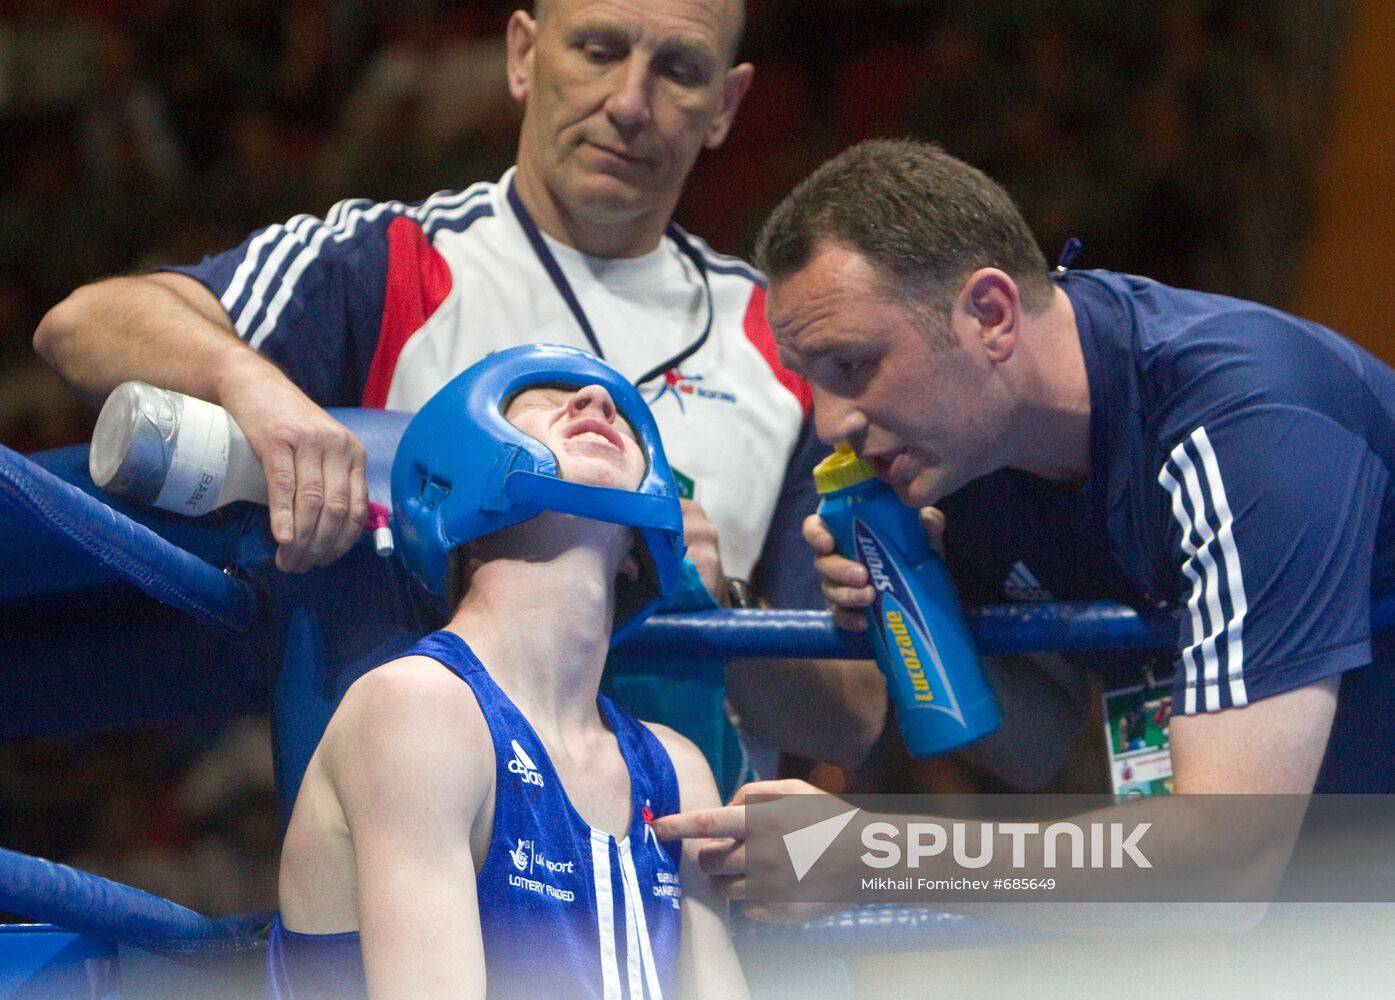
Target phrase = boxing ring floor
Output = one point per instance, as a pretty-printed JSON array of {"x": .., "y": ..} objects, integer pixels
[{"x": 168, "y": 620}]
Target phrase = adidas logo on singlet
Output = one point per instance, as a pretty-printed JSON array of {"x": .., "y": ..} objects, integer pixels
[
  {"x": 523, "y": 766},
  {"x": 1021, "y": 585}
]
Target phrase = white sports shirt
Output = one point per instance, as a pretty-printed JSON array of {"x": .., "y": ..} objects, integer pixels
[{"x": 382, "y": 304}]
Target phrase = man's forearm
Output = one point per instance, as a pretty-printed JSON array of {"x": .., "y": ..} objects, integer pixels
[
  {"x": 828, "y": 710},
  {"x": 170, "y": 331},
  {"x": 164, "y": 329}
]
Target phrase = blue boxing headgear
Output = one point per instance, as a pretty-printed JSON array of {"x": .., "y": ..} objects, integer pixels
[{"x": 462, "y": 471}]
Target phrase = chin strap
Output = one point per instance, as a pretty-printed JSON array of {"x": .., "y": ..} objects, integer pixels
[{"x": 600, "y": 503}]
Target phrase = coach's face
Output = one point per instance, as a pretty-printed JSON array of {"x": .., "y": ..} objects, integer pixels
[
  {"x": 922, "y": 406},
  {"x": 619, "y": 98}
]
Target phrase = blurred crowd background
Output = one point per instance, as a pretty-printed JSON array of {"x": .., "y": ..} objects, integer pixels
[{"x": 1177, "y": 138}]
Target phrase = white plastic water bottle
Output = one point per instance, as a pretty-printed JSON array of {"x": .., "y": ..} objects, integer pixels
[
  {"x": 172, "y": 451},
  {"x": 182, "y": 454}
]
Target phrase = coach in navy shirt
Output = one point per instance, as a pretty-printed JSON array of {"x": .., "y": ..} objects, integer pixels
[{"x": 1100, "y": 435}]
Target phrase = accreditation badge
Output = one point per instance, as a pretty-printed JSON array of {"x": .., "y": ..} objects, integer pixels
[{"x": 1137, "y": 723}]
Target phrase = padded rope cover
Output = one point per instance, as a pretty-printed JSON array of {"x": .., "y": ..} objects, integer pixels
[
  {"x": 109, "y": 911},
  {"x": 997, "y": 629},
  {"x": 1062, "y": 627},
  {"x": 36, "y": 499},
  {"x": 60, "y": 561}
]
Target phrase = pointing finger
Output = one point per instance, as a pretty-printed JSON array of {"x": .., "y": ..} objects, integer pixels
[{"x": 721, "y": 821}]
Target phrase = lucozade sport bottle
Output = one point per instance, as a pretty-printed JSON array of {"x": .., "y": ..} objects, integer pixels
[{"x": 933, "y": 674}]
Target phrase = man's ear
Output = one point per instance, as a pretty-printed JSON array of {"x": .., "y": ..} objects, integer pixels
[
  {"x": 989, "y": 299},
  {"x": 519, "y": 42},
  {"x": 737, "y": 83}
]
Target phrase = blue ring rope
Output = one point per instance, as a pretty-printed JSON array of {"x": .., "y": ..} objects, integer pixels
[
  {"x": 109, "y": 911},
  {"x": 38, "y": 499},
  {"x": 1069, "y": 627}
]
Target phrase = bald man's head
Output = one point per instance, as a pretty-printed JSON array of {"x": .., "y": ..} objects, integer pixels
[{"x": 736, "y": 7}]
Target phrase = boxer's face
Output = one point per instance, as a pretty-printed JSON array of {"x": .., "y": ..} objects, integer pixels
[
  {"x": 619, "y": 98},
  {"x": 593, "y": 443}
]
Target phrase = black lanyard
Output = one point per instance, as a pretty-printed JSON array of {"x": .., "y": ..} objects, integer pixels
[{"x": 564, "y": 288}]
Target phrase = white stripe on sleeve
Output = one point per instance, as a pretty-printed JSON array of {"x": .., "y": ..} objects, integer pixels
[
  {"x": 302, "y": 260},
  {"x": 1235, "y": 580},
  {"x": 1190, "y": 653},
  {"x": 1204, "y": 489},
  {"x": 248, "y": 267},
  {"x": 302, "y": 239}
]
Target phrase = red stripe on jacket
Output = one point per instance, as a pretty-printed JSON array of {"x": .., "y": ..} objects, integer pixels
[
  {"x": 758, "y": 332},
  {"x": 417, "y": 282}
]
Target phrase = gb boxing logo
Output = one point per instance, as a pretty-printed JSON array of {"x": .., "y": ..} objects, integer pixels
[
  {"x": 679, "y": 385},
  {"x": 523, "y": 766},
  {"x": 650, "y": 837}
]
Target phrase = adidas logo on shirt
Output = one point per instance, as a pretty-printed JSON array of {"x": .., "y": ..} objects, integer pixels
[
  {"x": 523, "y": 766},
  {"x": 1021, "y": 585}
]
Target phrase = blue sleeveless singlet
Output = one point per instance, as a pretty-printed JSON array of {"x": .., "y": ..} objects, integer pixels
[{"x": 565, "y": 910}]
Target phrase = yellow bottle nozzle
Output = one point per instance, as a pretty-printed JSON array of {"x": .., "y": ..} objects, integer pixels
[{"x": 841, "y": 469}]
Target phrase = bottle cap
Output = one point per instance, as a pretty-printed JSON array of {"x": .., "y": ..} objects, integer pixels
[
  {"x": 379, "y": 524},
  {"x": 841, "y": 469},
  {"x": 134, "y": 440}
]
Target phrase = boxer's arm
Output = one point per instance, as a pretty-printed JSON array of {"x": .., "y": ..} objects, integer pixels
[{"x": 416, "y": 773}]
